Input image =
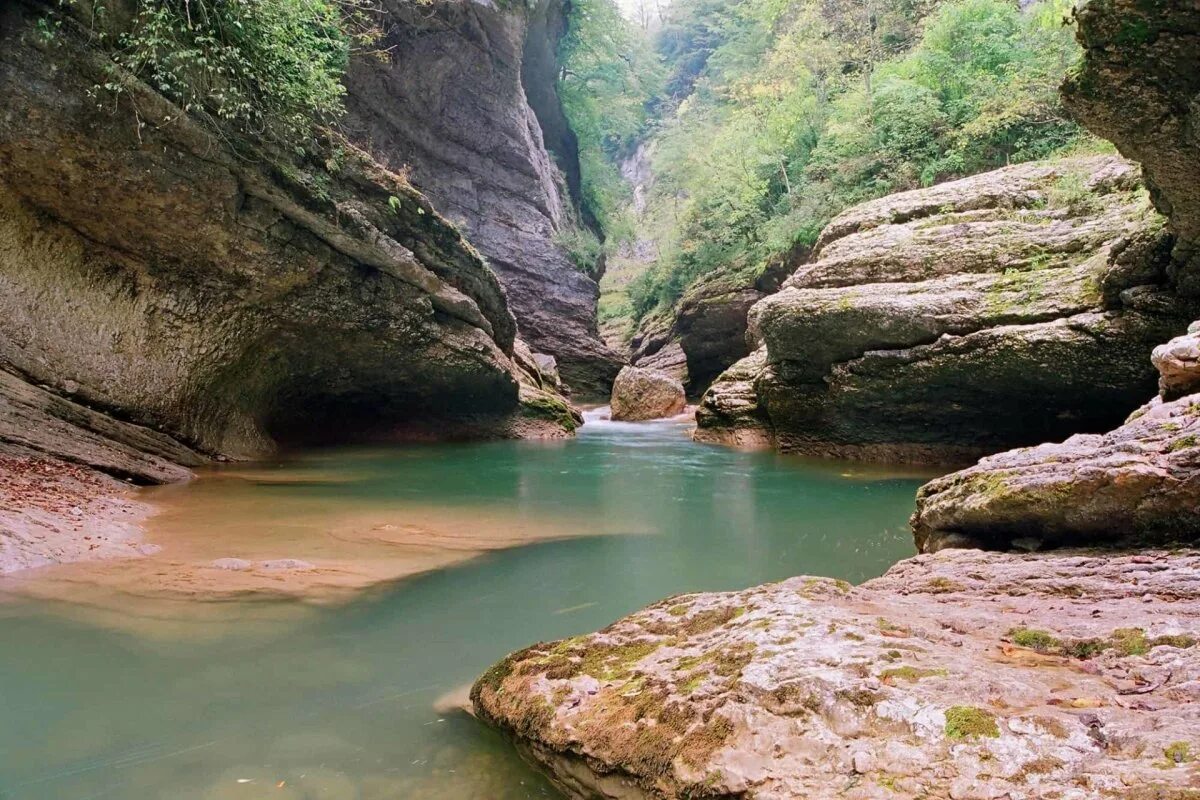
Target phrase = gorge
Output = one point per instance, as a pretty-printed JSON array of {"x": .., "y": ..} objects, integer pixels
[{"x": 310, "y": 310}]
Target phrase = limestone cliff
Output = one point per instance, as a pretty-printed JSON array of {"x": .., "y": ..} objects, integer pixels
[
  {"x": 1007, "y": 308},
  {"x": 466, "y": 105},
  {"x": 167, "y": 295}
]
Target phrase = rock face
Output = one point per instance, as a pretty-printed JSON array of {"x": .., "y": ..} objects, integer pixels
[
  {"x": 1137, "y": 87},
  {"x": 164, "y": 298},
  {"x": 467, "y": 105},
  {"x": 641, "y": 394},
  {"x": 655, "y": 345},
  {"x": 705, "y": 333},
  {"x": 1138, "y": 483},
  {"x": 1004, "y": 309},
  {"x": 1178, "y": 364},
  {"x": 960, "y": 675}
]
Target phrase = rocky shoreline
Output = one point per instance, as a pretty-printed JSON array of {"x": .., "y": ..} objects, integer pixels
[
  {"x": 54, "y": 512},
  {"x": 957, "y": 675}
]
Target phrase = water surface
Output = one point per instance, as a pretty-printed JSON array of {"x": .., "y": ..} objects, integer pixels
[{"x": 338, "y": 701}]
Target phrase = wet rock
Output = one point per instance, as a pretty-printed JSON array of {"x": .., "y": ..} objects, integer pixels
[
  {"x": 963, "y": 673},
  {"x": 640, "y": 394},
  {"x": 1178, "y": 364},
  {"x": 925, "y": 321}
]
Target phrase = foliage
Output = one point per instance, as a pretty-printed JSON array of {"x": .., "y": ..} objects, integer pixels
[
  {"x": 608, "y": 76},
  {"x": 269, "y": 68},
  {"x": 803, "y": 107},
  {"x": 583, "y": 247}
]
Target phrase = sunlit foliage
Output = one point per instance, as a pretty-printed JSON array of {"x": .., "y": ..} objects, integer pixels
[{"x": 800, "y": 108}]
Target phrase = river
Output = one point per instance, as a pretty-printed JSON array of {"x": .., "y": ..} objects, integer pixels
[{"x": 344, "y": 699}]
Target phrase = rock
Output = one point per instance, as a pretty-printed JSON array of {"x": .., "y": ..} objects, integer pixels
[
  {"x": 927, "y": 321},
  {"x": 705, "y": 332},
  {"x": 466, "y": 103},
  {"x": 547, "y": 368},
  {"x": 232, "y": 564},
  {"x": 220, "y": 301},
  {"x": 969, "y": 673},
  {"x": 1137, "y": 86},
  {"x": 711, "y": 317},
  {"x": 1139, "y": 483},
  {"x": 640, "y": 394},
  {"x": 655, "y": 345},
  {"x": 1178, "y": 364},
  {"x": 730, "y": 413},
  {"x": 1136, "y": 484}
]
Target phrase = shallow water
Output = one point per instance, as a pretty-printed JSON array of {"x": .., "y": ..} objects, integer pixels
[{"x": 338, "y": 701}]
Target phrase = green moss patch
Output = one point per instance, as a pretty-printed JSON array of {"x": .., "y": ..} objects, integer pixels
[
  {"x": 910, "y": 674},
  {"x": 969, "y": 722}
]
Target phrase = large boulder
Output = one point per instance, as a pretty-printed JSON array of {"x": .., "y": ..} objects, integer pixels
[
  {"x": 939, "y": 324},
  {"x": 466, "y": 104},
  {"x": 1136, "y": 484},
  {"x": 641, "y": 394},
  {"x": 962, "y": 675}
]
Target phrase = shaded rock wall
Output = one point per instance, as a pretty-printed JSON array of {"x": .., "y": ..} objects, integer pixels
[
  {"x": 705, "y": 333},
  {"x": 213, "y": 301},
  {"x": 1137, "y": 484},
  {"x": 1138, "y": 87},
  {"x": 467, "y": 104},
  {"x": 1007, "y": 308}
]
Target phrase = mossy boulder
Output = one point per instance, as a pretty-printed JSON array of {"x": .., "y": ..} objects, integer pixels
[
  {"x": 944, "y": 323},
  {"x": 642, "y": 394},
  {"x": 915, "y": 684}
]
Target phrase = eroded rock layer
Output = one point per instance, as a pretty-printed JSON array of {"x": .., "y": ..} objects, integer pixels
[
  {"x": 466, "y": 103},
  {"x": 957, "y": 675},
  {"x": 1139, "y": 483},
  {"x": 165, "y": 295},
  {"x": 1008, "y": 308}
]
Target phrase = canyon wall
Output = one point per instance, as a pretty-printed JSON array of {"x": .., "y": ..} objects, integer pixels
[
  {"x": 169, "y": 295},
  {"x": 465, "y": 104}
]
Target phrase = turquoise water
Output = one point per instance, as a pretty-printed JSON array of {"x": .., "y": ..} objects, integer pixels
[{"x": 338, "y": 702}]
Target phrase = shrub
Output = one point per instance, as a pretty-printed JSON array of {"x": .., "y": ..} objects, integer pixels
[{"x": 269, "y": 68}]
